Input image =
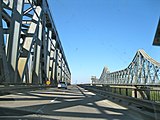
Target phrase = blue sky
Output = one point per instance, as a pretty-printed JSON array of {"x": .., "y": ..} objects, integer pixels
[{"x": 98, "y": 33}]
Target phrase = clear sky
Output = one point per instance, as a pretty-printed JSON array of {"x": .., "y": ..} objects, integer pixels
[{"x": 98, "y": 33}]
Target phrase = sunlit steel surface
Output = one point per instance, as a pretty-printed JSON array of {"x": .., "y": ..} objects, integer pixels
[
  {"x": 30, "y": 48},
  {"x": 143, "y": 70}
]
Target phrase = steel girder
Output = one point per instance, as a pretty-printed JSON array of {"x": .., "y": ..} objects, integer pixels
[
  {"x": 30, "y": 48},
  {"x": 143, "y": 70}
]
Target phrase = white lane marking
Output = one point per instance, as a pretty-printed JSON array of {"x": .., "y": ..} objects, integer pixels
[{"x": 53, "y": 100}]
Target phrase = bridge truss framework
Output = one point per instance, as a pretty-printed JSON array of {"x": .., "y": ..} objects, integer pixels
[
  {"x": 30, "y": 48},
  {"x": 143, "y": 70}
]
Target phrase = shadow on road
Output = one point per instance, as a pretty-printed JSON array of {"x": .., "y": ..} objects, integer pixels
[{"x": 65, "y": 104}]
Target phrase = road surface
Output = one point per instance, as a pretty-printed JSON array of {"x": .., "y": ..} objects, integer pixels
[{"x": 75, "y": 103}]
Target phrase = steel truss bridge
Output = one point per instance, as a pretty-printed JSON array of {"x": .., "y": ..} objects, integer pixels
[
  {"x": 30, "y": 48},
  {"x": 143, "y": 70}
]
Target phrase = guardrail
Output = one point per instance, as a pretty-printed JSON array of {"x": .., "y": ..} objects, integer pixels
[
  {"x": 150, "y": 110},
  {"x": 146, "y": 92}
]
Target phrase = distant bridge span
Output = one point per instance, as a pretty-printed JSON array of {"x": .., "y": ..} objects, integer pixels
[{"x": 143, "y": 70}]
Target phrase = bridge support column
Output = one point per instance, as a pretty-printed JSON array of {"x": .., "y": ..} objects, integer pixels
[
  {"x": 59, "y": 66},
  {"x": 141, "y": 92},
  {"x": 14, "y": 39},
  {"x": 144, "y": 93},
  {"x": 37, "y": 45},
  {"x": 48, "y": 49},
  {"x": 53, "y": 60},
  {"x": 55, "y": 68},
  {"x": 4, "y": 72},
  {"x": 134, "y": 93}
]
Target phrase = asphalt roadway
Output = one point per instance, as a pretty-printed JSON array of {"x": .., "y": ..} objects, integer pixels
[{"x": 75, "y": 103}]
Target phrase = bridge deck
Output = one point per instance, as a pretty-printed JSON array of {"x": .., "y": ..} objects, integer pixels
[{"x": 74, "y": 103}]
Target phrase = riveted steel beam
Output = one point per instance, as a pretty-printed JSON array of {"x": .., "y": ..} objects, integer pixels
[
  {"x": 4, "y": 71},
  {"x": 14, "y": 39},
  {"x": 31, "y": 44}
]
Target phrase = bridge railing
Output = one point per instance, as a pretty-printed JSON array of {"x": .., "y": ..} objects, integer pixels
[
  {"x": 149, "y": 110},
  {"x": 145, "y": 92}
]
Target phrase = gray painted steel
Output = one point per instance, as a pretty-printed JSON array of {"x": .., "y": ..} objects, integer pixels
[
  {"x": 30, "y": 48},
  {"x": 143, "y": 70}
]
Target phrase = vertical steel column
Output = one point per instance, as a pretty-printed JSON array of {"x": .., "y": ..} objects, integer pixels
[
  {"x": 4, "y": 71},
  {"x": 55, "y": 67},
  {"x": 61, "y": 57},
  {"x": 43, "y": 46},
  {"x": 51, "y": 65},
  {"x": 14, "y": 38},
  {"x": 38, "y": 42},
  {"x": 48, "y": 52},
  {"x": 65, "y": 72},
  {"x": 63, "y": 64},
  {"x": 52, "y": 60},
  {"x": 58, "y": 66}
]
